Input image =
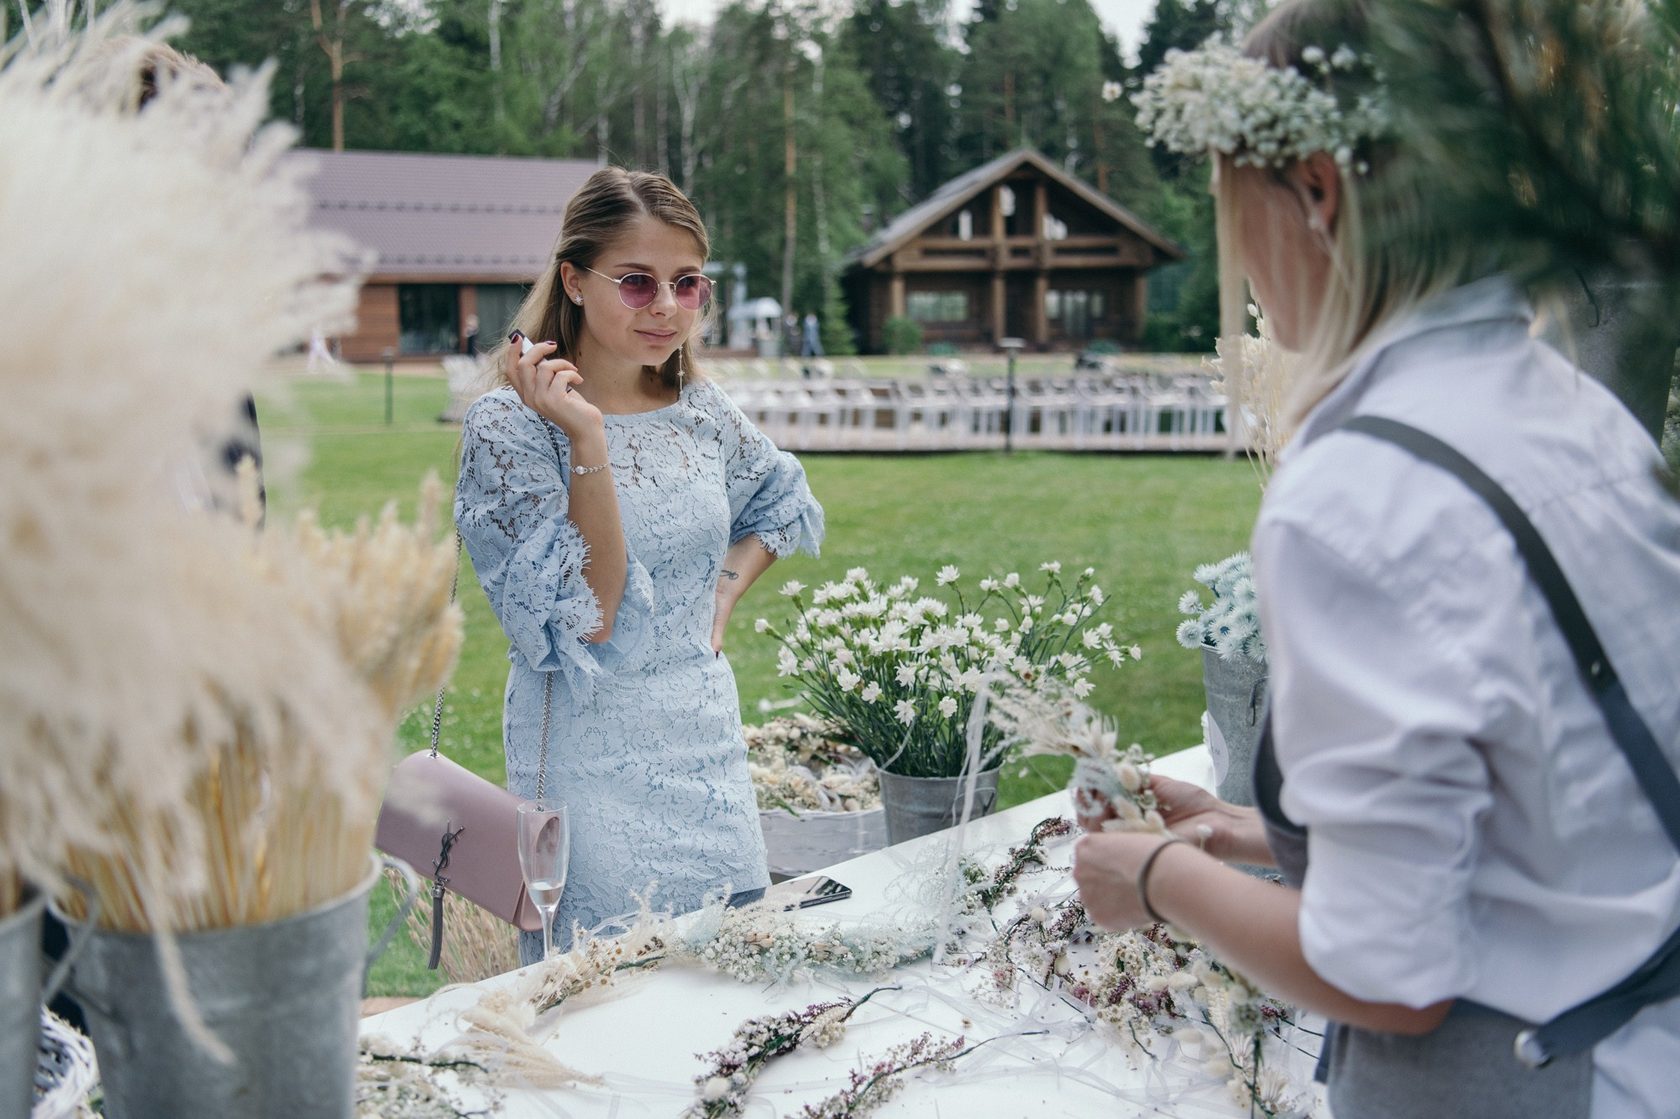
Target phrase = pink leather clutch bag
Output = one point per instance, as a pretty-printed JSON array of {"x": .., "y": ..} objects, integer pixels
[{"x": 460, "y": 831}]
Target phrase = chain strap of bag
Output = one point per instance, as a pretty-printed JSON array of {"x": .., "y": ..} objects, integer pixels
[
  {"x": 470, "y": 856},
  {"x": 440, "y": 880}
]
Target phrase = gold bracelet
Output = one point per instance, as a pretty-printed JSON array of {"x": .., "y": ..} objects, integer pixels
[
  {"x": 1143, "y": 879},
  {"x": 590, "y": 469}
]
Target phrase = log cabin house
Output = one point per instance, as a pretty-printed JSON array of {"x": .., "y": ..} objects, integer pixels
[{"x": 1016, "y": 248}]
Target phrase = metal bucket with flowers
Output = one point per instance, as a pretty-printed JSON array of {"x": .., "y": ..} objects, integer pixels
[
  {"x": 900, "y": 672},
  {"x": 819, "y": 798}
]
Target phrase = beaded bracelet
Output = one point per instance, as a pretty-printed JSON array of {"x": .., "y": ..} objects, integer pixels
[
  {"x": 590, "y": 469},
  {"x": 1143, "y": 879}
]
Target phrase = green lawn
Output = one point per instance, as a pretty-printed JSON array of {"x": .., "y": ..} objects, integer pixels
[{"x": 1142, "y": 521}]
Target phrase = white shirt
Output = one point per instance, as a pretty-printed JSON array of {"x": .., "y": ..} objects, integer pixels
[{"x": 1475, "y": 831}]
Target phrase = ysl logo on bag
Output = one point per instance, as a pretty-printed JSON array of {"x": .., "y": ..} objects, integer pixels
[{"x": 439, "y": 884}]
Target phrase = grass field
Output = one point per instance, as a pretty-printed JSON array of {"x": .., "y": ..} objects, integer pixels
[{"x": 1143, "y": 522}]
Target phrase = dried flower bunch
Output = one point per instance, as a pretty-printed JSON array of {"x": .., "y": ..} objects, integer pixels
[
  {"x": 1149, "y": 985},
  {"x": 197, "y": 719},
  {"x": 1217, "y": 99},
  {"x": 797, "y": 764},
  {"x": 1229, "y": 623},
  {"x": 760, "y": 943},
  {"x": 898, "y": 671},
  {"x": 990, "y": 889},
  {"x": 1105, "y": 776},
  {"x": 1253, "y": 371}
]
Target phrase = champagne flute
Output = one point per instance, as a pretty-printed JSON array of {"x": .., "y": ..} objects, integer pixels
[{"x": 544, "y": 850}]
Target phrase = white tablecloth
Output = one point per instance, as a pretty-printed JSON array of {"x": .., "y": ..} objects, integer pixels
[{"x": 644, "y": 1037}]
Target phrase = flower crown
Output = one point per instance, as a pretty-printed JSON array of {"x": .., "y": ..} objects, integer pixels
[{"x": 1215, "y": 97}]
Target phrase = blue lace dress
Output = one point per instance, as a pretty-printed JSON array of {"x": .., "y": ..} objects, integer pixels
[{"x": 644, "y": 743}]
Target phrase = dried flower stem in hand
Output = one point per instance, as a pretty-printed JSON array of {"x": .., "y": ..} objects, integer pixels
[{"x": 1107, "y": 781}]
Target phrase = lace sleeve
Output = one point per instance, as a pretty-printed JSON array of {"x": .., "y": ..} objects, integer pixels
[
  {"x": 510, "y": 505},
  {"x": 768, "y": 495}
]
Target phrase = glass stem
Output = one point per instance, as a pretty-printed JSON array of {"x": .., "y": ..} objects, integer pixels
[{"x": 549, "y": 913}]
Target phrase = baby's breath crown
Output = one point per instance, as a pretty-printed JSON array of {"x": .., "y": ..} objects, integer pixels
[{"x": 1218, "y": 98}]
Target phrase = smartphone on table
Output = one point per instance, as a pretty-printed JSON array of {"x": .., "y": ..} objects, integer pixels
[{"x": 795, "y": 893}]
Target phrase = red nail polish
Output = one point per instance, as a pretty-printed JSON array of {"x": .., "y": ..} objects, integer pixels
[{"x": 513, "y": 337}]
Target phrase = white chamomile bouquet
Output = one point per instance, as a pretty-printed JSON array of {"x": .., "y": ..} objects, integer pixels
[{"x": 898, "y": 671}]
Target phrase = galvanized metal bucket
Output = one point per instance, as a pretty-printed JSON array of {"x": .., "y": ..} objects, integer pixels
[
  {"x": 1236, "y": 701},
  {"x": 284, "y": 997},
  {"x": 20, "y": 1008},
  {"x": 21, "y": 997},
  {"x": 920, "y": 805}
]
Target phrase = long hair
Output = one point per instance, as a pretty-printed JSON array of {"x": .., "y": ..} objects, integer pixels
[
  {"x": 598, "y": 214},
  {"x": 1383, "y": 262}
]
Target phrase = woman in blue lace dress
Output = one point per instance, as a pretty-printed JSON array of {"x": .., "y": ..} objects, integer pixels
[{"x": 616, "y": 505}]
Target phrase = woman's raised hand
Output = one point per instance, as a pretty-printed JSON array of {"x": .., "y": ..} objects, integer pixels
[{"x": 545, "y": 384}]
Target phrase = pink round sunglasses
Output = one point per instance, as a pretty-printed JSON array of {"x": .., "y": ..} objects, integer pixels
[{"x": 638, "y": 289}]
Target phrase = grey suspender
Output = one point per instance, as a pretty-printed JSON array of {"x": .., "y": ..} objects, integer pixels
[{"x": 1658, "y": 978}]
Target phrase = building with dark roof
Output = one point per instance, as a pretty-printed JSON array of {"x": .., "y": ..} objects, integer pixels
[
  {"x": 448, "y": 237},
  {"x": 1016, "y": 248}
]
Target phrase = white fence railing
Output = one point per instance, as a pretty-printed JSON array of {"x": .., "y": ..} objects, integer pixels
[
  {"x": 1139, "y": 407},
  {"x": 1112, "y": 412}
]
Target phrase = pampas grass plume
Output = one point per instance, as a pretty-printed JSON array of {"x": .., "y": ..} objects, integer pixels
[{"x": 195, "y": 719}]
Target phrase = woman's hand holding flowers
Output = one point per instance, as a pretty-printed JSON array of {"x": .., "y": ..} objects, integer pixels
[{"x": 1224, "y": 830}]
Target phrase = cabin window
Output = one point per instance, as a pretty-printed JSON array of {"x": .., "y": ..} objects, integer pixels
[
  {"x": 938, "y": 306},
  {"x": 428, "y": 318}
]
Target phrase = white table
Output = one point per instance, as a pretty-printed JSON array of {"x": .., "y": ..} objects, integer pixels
[{"x": 643, "y": 1039}]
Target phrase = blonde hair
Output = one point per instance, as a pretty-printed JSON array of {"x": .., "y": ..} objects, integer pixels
[
  {"x": 1383, "y": 263},
  {"x": 598, "y": 214}
]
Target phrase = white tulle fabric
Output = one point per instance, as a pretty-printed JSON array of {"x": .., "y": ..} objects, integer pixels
[{"x": 645, "y": 744}]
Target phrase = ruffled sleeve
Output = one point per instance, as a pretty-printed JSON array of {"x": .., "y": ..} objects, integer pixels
[
  {"x": 768, "y": 495},
  {"x": 510, "y": 505}
]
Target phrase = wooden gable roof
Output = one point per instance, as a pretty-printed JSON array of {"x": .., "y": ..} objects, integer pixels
[{"x": 962, "y": 190}]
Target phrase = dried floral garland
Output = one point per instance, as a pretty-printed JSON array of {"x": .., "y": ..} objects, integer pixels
[
  {"x": 394, "y": 1084},
  {"x": 879, "y": 1081},
  {"x": 752, "y": 944},
  {"x": 1021, "y": 858},
  {"x": 723, "y": 1087}
]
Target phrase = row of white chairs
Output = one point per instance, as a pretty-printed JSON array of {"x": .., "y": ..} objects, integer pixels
[{"x": 1116, "y": 412}]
